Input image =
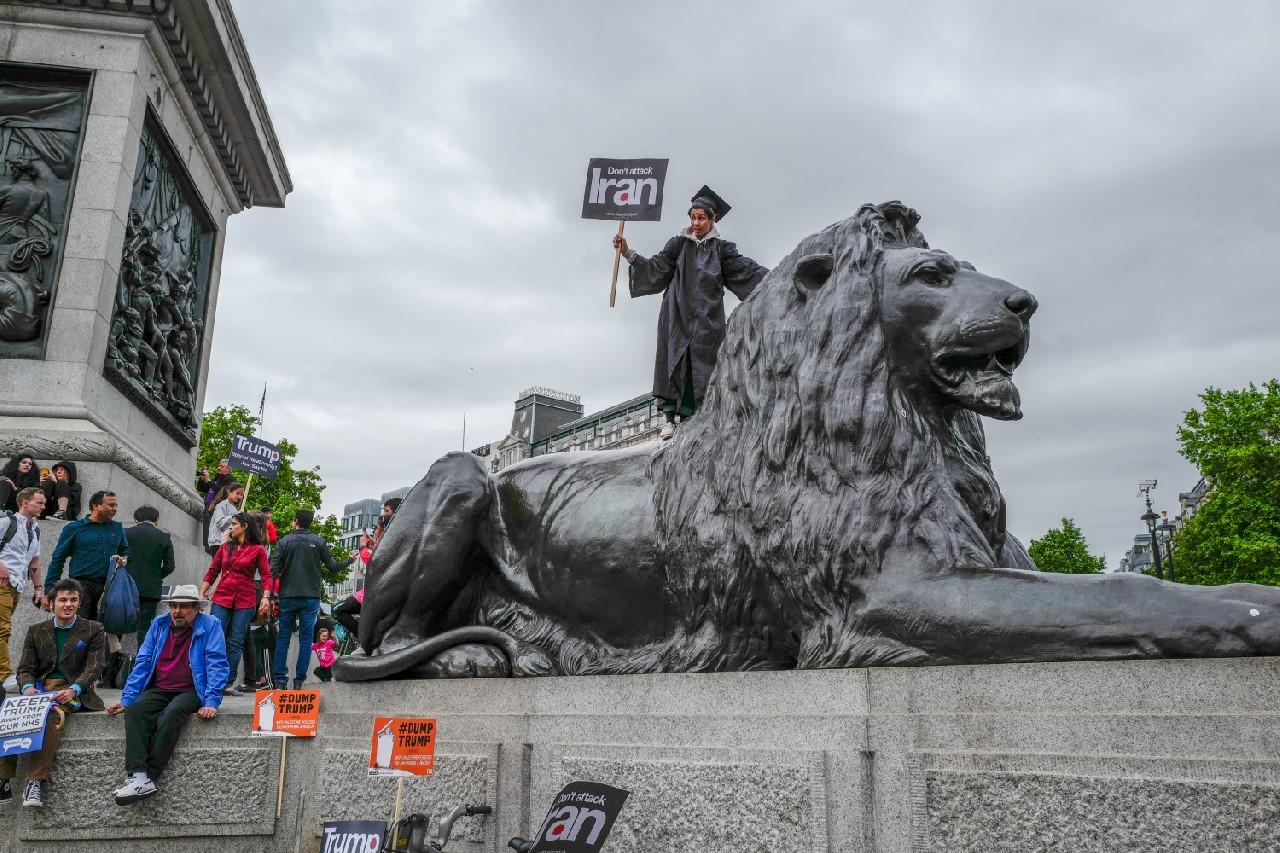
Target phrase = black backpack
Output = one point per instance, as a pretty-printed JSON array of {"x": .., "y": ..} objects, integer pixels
[{"x": 12, "y": 529}]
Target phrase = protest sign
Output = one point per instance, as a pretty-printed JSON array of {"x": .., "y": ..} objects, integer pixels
[
  {"x": 286, "y": 713},
  {"x": 353, "y": 836},
  {"x": 580, "y": 818},
  {"x": 254, "y": 456},
  {"x": 22, "y": 721},
  {"x": 402, "y": 746},
  {"x": 624, "y": 189}
]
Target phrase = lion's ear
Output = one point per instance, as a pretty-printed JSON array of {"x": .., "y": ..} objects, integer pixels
[{"x": 813, "y": 271}]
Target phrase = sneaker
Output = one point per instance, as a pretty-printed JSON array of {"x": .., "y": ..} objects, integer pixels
[
  {"x": 33, "y": 795},
  {"x": 231, "y": 691},
  {"x": 137, "y": 787},
  {"x": 668, "y": 430},
  {"x": 297, "y": 683},
  {"x": 59, "y": 515},
  {"x": 11, "y": 683},
  {"x": 279, "y": 685},
  {"x": 6, "y": 792}
]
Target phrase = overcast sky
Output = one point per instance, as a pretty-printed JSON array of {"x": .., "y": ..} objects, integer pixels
[{"x": 1119, "y": 160}]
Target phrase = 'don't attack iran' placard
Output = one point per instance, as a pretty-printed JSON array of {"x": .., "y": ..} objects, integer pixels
[{"x": 629, "y": 190}]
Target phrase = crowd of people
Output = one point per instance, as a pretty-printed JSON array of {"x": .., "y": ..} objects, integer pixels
[{"x": 261, "y": 589}]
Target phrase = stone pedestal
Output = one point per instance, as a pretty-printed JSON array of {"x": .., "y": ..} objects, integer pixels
[
  {"x": 132, "y": 131},
  {"x": 1120, "y": 756}
]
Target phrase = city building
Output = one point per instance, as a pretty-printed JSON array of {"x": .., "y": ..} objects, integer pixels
[
  {"x": 1138, "y": 558},
  {"x": 548, "y": 421},
  {"x": 359, "y": 518}
]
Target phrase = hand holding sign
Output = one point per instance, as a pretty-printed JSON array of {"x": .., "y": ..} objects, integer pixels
[{"x": 623, "y": 190}]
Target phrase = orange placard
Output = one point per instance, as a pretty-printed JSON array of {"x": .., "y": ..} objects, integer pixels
[
  {"x": 402, "y": 746},
  {"x": 286, "y": 713}
]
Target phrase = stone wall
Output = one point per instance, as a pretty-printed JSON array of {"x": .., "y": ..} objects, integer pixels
[{"x": 1142, "y": 755}]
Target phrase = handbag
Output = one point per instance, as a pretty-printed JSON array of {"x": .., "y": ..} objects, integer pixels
[{"x": 118, "y": 607}]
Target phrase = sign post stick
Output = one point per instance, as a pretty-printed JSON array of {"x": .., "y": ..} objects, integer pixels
[
  {"x": 244, "y": 504},
  {"x": 280, "y": 786},
  {"x": 617, "y": 259},
  {"x": 395, "y": 821}
]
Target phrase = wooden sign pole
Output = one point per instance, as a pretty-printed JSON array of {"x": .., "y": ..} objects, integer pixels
[
  {"x": 280, "y": 786},
  {"x": 395, "y": 821},
  {"x": 617, "y": 259},
  {"x": 248, "y": 484}
]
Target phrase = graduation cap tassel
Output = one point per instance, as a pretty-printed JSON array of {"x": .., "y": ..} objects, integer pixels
[{"x": 617, "y": 259}]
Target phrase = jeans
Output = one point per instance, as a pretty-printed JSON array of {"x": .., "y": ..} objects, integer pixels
[
  {"x": 235, "y": 624},
  {"x": 152, "y": 724},
  {"x": 296, "y": 615}
]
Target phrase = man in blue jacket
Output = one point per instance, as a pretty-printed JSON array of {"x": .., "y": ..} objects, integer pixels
[{"x": 181, "y": 669}]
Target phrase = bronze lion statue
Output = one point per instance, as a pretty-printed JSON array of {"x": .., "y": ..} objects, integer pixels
[{"x": 831, "y": 505}]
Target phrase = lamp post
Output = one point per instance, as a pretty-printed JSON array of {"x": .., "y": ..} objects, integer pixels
[
  {"x": 1167, "y": 528},
  {"x": 1151, "y": 518}
]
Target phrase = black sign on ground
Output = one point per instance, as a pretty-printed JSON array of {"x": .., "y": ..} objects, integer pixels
[
  {"x": 352, "y": 836},
  {"x": 254, "y": 456},
  {"x": 624, "y": 189},
  {"x": 580, "y": 818}
]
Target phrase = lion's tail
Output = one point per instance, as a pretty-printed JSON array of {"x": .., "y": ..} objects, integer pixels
[{"x": 519, "y": 657}]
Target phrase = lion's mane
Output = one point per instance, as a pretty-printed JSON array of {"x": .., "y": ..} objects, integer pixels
[{"x": 809, "y": 465}]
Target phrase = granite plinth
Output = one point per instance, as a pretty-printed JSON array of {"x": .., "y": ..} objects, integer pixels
[{"x": 1142, "y": 755}]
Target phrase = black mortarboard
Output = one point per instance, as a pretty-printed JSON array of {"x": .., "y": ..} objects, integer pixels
[{"x": 720, "y": 207}]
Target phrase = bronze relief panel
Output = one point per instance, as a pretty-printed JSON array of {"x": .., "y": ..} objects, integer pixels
[
  {"x": 42, "y": 112},
  {"x": 157, "y": 325}
]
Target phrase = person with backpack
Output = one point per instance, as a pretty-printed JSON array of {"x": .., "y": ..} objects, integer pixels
[
  {"x": 691, "y": 272},
  {"x": 296, "y": 564},
  {"x": 238, "y": 561},
  {"x": 20, "y": 558},
  {"x": 89, "y": 544}
]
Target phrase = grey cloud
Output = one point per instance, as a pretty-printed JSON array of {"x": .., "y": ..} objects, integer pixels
[{"x": 1117, "y": 160}]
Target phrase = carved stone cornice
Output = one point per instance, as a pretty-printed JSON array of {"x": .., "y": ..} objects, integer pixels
[{"x": 97, "y": 446}]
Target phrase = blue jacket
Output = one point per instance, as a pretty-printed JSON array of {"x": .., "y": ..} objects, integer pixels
[
  {"x": 208, "y": 660},
  {"x": 90, "y": 545}
]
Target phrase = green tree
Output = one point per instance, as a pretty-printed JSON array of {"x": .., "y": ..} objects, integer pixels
[
  {"x": 293, "y": 488},
  {"x": 1064, "y": 550},
  {"x": 1234, "y": 440}
]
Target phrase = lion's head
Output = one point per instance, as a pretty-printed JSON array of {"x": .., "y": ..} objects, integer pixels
[{"x": 840, "y": 432}]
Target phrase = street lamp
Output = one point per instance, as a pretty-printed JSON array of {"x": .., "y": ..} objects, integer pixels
[
  {"x": 1167, "y": 528},
  {"x": 1151, "y": 518}
]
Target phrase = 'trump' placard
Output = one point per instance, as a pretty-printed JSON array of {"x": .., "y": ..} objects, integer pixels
[
  {"x": 22, "y": 721},
  {"x": 353, "y": 836},
  {"x": 254, "y": 456},
  {"x": 403, "y": 746},
  {"x": 286, "y": 713},
  {"x": 624, "y": 189},
  {"x": 580, "y": 818}
]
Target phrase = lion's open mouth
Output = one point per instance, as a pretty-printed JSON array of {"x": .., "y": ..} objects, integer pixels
[
  {"x": 981, "y": 379},
  {"x": 955, "y": 369}
]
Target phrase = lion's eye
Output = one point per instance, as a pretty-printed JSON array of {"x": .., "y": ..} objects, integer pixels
[{"x": 934, "y": 276}]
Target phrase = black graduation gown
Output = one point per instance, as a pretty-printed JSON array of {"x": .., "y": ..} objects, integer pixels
[{"x": 691, "y": 324}]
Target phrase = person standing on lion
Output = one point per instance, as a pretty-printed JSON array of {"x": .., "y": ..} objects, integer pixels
[{"x": 692, "y": 272}]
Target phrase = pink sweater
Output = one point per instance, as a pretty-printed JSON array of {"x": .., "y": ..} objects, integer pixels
[{"x": 324, "y": 652}]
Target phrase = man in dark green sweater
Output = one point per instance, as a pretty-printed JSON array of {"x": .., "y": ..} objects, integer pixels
[
  {"x": 296, "y": 563},
  {"x": 90, "y": 543}
]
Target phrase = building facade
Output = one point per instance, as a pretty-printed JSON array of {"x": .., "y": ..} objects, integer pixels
[{"x": 548, "y": 421}]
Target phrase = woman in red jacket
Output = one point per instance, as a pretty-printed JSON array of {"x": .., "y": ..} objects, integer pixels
[{"x": 236, "y": 599}]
